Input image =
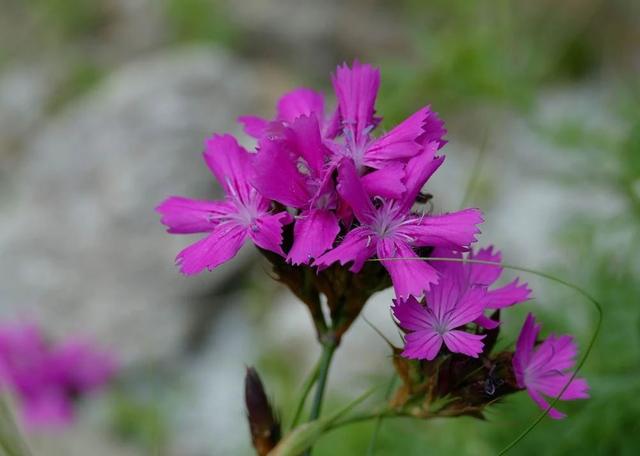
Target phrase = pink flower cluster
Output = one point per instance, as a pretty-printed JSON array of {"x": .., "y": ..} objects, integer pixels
[
  {"x": 349, "y": 196},
  {"x": 45, "y": 378}
]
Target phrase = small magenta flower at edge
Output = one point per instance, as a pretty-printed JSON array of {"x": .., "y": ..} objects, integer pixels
[
  {"x": 47, "y": 378},
  {"x": 545, "y": 369}
]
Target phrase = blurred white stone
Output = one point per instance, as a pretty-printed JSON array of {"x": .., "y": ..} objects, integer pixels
[{"x": 82, "y": 248}]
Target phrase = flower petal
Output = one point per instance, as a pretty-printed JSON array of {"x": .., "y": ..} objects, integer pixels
[
  {"x": 357, "y": 246},
  {"x": 464, "y": 342},
  {"x": 307, "y": 141},
  {"x": 484, "y": 274},
  {"x": 508, "y": 295},
  {"x": 385, "y": 182},
  {"x": 423, "y": 344},
  {"x": 184, "y": 215},
  {"x": 543, "y": 405},
  {"x": 409, "y": 277},
  {"x": 219, "y": 246},
  {"x": 276, "y": 176},
  {"x": 356, "y": 89},
  {"x": 412, "y": 315},
  {"x": 486, "y": 322},
  {"x": 300, "y": 102},
  {"x": 254, "y": 126},
  {"x": 313, "y": 234},
  {"x": 352, "y": 191},
  {"x": 524, "y": 348},
  {"x": 455, "y": 230},
  {"x": 469, "y": 306},
  {"x": 51, "y": 408},
  {"x": 399, "y": 143},
  {"x": 230, "y": 164},
  {"x": 418, "y": 171},
  {"x": 266, "y": 231}
]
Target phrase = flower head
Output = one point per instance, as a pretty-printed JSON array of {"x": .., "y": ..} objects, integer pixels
[
  {"x": 390, "y": 230},
  {"x": 243, "y": 214},
  {"x": 544, "y": 370},
  {"x": 478, "y": 275},
  {"x": 440, "y": 320},
  {"x": 298, "y": 157}
]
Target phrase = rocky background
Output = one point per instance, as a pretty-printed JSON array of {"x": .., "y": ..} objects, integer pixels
[{"x": 104, "y": 106}]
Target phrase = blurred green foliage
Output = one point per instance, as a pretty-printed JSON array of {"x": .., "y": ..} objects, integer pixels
[
  {"x": 69, "y": 19},
  {"x": 201, "y": 20},
  {"x": 494, "y": 51}
]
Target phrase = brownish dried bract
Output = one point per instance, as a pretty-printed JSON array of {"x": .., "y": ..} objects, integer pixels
[
  {"x": 263, "y": 422},
  {"x": 346, "y": 292}
]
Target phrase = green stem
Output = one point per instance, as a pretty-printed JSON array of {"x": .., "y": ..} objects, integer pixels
[
  {"x": 328, "y": 349},
  {"x": 308, "y": 384},
  {"x": 374, "y": 435}
]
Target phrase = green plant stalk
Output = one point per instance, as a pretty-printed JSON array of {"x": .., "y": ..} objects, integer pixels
[
  {"x": 306, "y": 389},
  {"x": 328, "y": 349}
]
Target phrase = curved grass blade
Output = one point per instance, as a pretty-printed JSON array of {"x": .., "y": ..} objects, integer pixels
[
  {"x": 12, "y": 442},
  {"x": 306, "y": 389}
]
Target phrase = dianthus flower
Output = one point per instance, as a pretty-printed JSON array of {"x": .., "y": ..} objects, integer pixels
[
  {"x": 477, "y": 275},
  {"x": 243, "y": 214},
  {"x": 441, "y": 320},
  {"x": 389, "y": 229},
  {"x": 545, "y": 369}
]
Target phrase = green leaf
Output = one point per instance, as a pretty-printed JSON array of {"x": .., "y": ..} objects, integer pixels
[{"x": 12, "y": 443}]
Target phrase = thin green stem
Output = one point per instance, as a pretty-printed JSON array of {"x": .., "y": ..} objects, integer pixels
[
  {"x": 306, "y": 389},
  {"x": 328, "y": 349},
  {"x": 369, "y": 416},
  {"x": 376, "y": 430}
]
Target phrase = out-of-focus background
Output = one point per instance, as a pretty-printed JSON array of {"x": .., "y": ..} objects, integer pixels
[{"x": 104, "y": 105}]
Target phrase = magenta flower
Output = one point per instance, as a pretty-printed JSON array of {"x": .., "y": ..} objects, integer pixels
[
  {"x": 431, "y": 325},
  {"x": 243, "y": 214},
  {"x": 356, "y": 89},
  {"x": 294, "y": 104},
  {"x": 544, "y": 370},
  {"x": 347, "y": 132},
  {"x": 47, "y": 379},
  {"x": 389, "y": 230},
  {"x": 297, "y": 156},
  {"x": 470, "y": 275}
]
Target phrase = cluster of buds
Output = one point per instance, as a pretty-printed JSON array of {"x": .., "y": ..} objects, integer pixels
[{"x": 340, "y": 214}]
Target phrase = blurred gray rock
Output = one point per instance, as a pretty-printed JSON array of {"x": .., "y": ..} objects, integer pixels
[{"x": 82, "y": 248}]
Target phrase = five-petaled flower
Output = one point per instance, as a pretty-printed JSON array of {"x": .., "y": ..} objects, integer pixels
[
  {"x": 243, "y": 214},
  {"x": 483, "y": 275},
  {"x": 442, "y": 319}
]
